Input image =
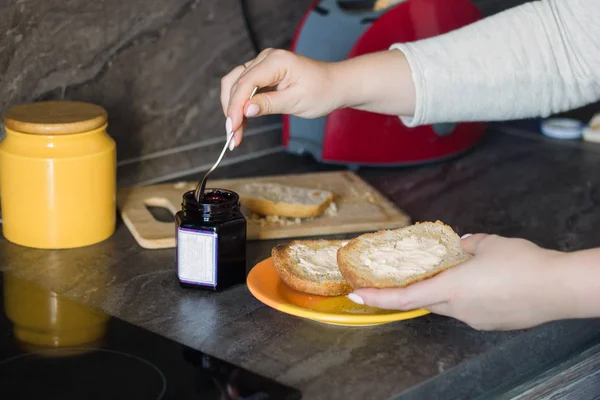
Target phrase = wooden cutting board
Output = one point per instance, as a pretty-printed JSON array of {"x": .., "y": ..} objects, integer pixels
[{"x": 358, "y": 208}]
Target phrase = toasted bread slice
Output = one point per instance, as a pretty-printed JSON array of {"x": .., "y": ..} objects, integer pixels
[
  {"x": 268, "y": 199},
  {"x": 400, "y": 257},
  {"x": 310, "y": 266}
]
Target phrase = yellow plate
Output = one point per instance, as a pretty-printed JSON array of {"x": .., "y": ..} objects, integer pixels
[{"x": 264, "y": 284}]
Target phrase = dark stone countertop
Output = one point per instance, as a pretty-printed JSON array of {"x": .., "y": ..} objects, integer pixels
[{"x": 514, "y": 184}]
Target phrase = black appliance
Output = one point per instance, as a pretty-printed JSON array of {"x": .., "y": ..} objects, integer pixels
[{"x": 127, "y": 363}]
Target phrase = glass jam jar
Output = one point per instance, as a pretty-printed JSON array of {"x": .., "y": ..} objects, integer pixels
[
  {"x": 57, "y": 175},
  {"x": 211, "y": 241}
]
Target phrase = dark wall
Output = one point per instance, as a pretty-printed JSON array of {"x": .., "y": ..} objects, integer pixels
[
  {"x": 489, "y": 7},
  {"x": 155, "y": 65}
]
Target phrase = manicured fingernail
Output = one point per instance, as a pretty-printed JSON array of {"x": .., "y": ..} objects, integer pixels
[
  {"x": 466, "y": 235},
  {"x": 252, "y": 110},
  {"x": 228, "y": 125},
  {"x": 356, "y": 298},
  {"x": 232, "y": 144}
]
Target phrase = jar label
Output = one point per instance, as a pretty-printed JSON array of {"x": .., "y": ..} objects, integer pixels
[{"x": 197, "y": 257}]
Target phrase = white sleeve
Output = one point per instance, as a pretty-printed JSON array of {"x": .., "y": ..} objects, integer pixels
[{"x": 533, "y": 60}]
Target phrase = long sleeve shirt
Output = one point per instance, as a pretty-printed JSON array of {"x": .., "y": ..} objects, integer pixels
[{"x": 536, "y": 59}]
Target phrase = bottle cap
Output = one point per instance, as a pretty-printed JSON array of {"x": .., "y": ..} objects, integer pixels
[{"x": 562, "y": 128}]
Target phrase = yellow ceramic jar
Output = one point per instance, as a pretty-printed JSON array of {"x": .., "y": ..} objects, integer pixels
[{"x": 57, "y": 175}]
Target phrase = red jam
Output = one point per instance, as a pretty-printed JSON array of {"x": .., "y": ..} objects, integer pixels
[
  {"x": 211, "y": 241},
  {"x": 215, "y": 196}
]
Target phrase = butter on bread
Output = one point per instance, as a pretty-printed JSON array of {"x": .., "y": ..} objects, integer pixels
[
  {"x": 273, "y": 199},
  {"x": 310, "y": 266},
  {"x": 400, "y": 257}
]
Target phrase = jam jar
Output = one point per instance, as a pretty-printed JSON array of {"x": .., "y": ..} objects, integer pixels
[
  {"x": 211, "y": 241},
  {"x": 57, "y": 175}
]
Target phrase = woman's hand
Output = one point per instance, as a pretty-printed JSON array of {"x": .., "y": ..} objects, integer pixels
[
  {"x": 298, "y": 85},
  {"x": 379, "y": 82},
  {"x": 508, "y": 284}
]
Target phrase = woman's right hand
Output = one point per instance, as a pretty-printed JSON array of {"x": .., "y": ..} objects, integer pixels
[{"x": 290, "y": 83}]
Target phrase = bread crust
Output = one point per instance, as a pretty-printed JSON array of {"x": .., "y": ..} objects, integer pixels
[
  {"x": 267, "y": 207},
  {"x": 284, "y": 265},
  {"x": 363, "y": 279}
]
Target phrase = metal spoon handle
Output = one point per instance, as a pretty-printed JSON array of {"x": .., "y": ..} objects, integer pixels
[{"x": 201, "y": 186}]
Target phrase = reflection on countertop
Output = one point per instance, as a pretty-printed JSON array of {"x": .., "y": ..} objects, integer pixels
[
  {"x": 52, "y": 347},
  {"x": 47, "y": 323}
]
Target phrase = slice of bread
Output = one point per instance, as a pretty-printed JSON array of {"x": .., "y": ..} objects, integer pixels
[
  {"x": 268, "y": 199},
  {"x": 310, "y": 266},
  {"x": 397, "y": 258}
]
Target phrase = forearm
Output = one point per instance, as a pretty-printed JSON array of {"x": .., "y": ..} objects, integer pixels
[
  {"x": 534, "y": 60},
  {"x": 578, "y": 284},
  {"x": 379, "y": 82}
]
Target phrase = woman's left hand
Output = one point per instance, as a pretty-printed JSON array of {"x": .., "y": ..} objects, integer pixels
[{"x": 508, "y": 284}]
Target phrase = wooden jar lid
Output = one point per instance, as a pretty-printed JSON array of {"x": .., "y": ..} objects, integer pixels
[{"x": 55, "y": 117}]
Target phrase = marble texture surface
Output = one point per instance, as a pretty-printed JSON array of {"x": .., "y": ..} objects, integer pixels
[
  {"x": 155, "y": 65},
  {"x": 516, "y": 185}
]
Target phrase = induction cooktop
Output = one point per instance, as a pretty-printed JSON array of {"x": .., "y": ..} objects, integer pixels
[{"x": 44, "y": 355}]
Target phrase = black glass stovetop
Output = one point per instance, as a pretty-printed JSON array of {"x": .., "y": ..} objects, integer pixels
[{"x": 53, "y": 348}]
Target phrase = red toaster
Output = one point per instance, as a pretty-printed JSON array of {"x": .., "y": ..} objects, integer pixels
[{"x": 333, "y": 30}]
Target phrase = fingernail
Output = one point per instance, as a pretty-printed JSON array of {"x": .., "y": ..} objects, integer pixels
[
  {"x": 356, "y": 298},
  {"x": 252, "y": 110},
  {"x": 232, "y": 144},
  {"x": 228, "y": 125},
  {"x": 466, "y": 235}
]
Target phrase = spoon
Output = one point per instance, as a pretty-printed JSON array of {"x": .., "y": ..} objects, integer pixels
[{"x": 202, "y": 184}]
